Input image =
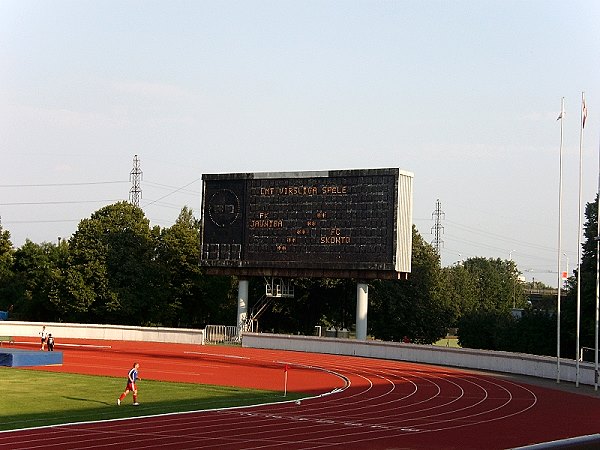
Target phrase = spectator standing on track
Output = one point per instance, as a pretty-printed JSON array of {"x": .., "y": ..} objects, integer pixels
[
  {"x": 132, "y": 377},
  {"x": 44, "y": 335},
  {"x": 50, "y": 343}
]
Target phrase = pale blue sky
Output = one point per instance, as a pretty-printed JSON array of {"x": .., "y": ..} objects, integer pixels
[{"x": 464, "y": 94}]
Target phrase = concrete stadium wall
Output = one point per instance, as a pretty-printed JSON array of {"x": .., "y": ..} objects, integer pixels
[
  {"x": 102, "y": 332},
  {"x": 505, "y": 362},
  {"x": 515, "y": 363}
]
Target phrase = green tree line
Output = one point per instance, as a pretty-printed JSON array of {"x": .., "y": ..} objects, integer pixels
[
  {"x": 115, "y": 269},
  {"x": 118, "y": 269},
  {"x": 536, "y": 331}
]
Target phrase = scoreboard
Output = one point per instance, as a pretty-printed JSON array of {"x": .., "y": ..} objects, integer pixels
[{"x": 339, "y": 224}]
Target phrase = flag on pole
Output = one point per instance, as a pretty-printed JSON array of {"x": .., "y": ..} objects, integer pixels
[
  {"x": 583, "y": 114},
  {"x": 562, "y": 113}
]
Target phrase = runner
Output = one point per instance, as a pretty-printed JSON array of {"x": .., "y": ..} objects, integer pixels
[
  {"x": 132, "y": 377},
  {"x": 44, "y": 335}
]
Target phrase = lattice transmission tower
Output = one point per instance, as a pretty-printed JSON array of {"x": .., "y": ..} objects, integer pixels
[
  {"x": 135, "y": 176},
  {"x": 437, "y": 229}
]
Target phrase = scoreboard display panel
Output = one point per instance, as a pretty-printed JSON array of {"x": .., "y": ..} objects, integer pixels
[{"x": 345, "y": 223}]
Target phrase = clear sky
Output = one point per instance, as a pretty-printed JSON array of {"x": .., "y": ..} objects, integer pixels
[{"x": 464, "y": 94}]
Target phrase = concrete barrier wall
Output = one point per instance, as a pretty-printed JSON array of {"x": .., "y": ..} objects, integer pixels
[
  {"x": 103, "y": 332},
  {"x": 515, "y": 363}
]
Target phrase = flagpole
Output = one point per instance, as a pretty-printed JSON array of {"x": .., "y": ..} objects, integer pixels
[
  {"x": 597, "y": 274},
  {"x": 579, "y": 232},
  {"x": 560, "y": 183}
]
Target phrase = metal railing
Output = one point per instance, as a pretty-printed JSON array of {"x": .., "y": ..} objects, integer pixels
[{"x": 221, "y": 334}]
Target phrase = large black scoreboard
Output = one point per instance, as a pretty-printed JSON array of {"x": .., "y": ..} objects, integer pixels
[{"x": 342, "y": 224}]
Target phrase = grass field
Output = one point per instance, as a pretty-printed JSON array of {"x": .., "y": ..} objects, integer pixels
[
  {"x": 448, "y": 342},
  {"x": 33, "y": 398}
]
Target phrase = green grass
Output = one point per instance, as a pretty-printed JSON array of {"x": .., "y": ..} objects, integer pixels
[
  {"x": 448, "y": 342},
  {"x": 32, "y": 398}
]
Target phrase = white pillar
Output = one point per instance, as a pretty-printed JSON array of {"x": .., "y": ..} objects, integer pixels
[
  {"x": 242, "y": 310},
  {"x": 362, "y": 304}
]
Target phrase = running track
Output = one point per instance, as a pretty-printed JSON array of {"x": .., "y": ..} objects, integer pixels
[{"x": 356, "y": 403}]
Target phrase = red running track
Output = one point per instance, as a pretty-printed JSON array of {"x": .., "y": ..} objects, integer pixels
[{"x": 357, "y": 403}]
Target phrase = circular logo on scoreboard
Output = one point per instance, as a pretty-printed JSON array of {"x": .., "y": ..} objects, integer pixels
[{"x": 224, "y": 207}]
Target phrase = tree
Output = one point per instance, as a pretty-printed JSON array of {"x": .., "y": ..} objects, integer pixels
[
  {"x": 37, "y": 277},
  {"x": 588, "y": 275},
  {"x": 193, "y": 299},
  {"x": 535, "y": 333},
  {"x": 497, "y": 284},
  {"x": 460, "y": 291},
  {"x": 485, "y": 328},
  {"x": 7, "y": 288},
  {"x": 113, "y": 274},
  {"x": 178, "y": 253},
  {"x": 416, "y": 307},
  {"x": 587, "y": 292},
  {"x": 486, "y": 321}
]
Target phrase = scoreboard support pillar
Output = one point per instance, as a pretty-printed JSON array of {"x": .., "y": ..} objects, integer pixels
[
  {"x": 242, "y": 310},
  {"x": 362, "y": 303}
]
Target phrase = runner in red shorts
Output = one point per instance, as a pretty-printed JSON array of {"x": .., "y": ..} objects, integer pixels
[{"x": 132, "y": 377}]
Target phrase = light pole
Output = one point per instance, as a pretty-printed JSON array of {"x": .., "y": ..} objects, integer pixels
[{"x": 511, "y": 277}]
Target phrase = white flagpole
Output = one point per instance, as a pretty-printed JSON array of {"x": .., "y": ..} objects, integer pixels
[
  {"x": 560, "y": 183},
  {"x": 579, "y": 232},
  {"x": 597, "y": 276}
]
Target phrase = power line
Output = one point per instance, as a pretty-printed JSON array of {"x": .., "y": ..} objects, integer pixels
[
  {"x": 43, "y": 221},
  {"x": 167, "y": 205},
  {"x": 166, "y": 186},
  {"x": 500, "y": 237},
  {"x": 59, "y": 203},
  {"x": 60, "y": 184},
  {"x": 171, "y": 193},
  {"x": 487, "y": 236}
]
